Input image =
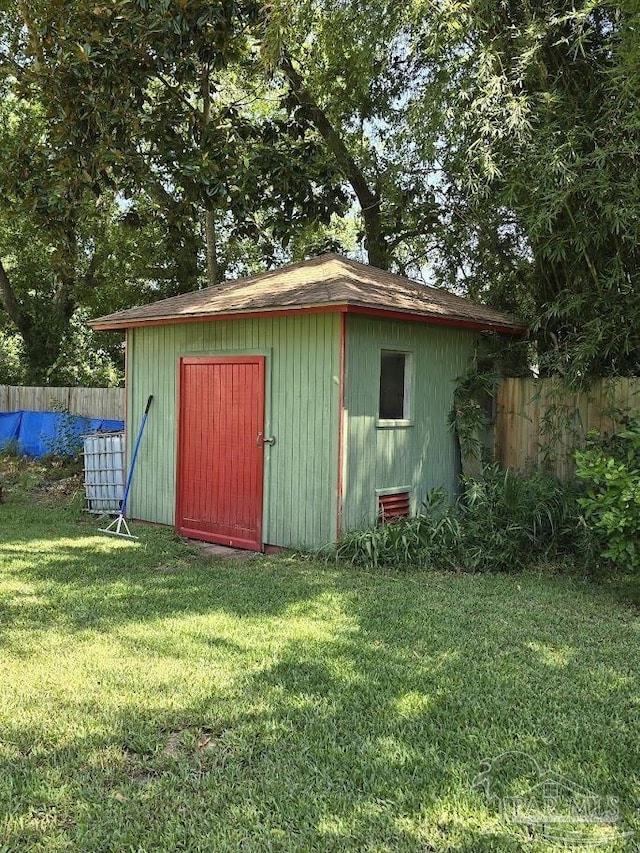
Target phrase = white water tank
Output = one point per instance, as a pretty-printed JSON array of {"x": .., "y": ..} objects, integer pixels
[{"x": 104, "y": 471}]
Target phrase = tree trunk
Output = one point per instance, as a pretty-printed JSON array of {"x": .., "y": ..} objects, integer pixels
[
  {"x": 209, "y": 213},
  {"x": 377, "y": 249},
  {"x": 212, "y": 253},
  {"x": 11, "y": 305}
]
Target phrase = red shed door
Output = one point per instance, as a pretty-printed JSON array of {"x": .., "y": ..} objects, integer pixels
[{"x": 220, "y": 450}]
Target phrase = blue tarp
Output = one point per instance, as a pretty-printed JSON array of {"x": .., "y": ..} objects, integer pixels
[
  {"x": 40, "y": 433},
  {"x": 9, "y": 427}
]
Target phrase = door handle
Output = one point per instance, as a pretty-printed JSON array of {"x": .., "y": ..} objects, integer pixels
[{"x": 261, "y": 438}]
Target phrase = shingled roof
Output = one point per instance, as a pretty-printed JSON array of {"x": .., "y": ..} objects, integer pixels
[{"x": 329, "y": 282}]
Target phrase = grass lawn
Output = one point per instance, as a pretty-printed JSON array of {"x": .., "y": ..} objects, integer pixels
[{"x": 152, "y": 698}]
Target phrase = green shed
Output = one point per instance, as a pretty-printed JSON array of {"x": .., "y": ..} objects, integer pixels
[{"x": 297, "y": 404}]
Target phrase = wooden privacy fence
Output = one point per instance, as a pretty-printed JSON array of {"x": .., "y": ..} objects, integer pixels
[
  {"x": 105, "y": 403},
  {"x": 539, "y": 422}
]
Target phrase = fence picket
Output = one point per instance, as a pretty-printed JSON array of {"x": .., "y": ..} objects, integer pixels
[
  {"x": 105, "y": 403},
  {"x": 539, "y": 421}
]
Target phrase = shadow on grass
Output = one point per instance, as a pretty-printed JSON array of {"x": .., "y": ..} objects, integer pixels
[
  {"x": 88, "y": 582},
  {"x": 370, "y": 741},
  {"x": 358, "y": 710}
]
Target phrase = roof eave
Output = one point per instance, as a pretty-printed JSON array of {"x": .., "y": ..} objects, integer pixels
[
  {"x": 105, "y": 324},
  {"x": 440, "y": 319}
]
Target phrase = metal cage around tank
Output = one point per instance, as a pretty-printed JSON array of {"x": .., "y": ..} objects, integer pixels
[{"x": 104, "y": 472}]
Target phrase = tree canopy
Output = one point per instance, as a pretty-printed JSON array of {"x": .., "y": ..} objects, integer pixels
[
  {"x": 151, "y": 147},
  {"x": 151, "y": 119},
  {"x": 542, "y": 159}
]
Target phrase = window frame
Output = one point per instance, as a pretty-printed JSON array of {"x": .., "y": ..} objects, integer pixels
[{"x": 407, "y": 404}]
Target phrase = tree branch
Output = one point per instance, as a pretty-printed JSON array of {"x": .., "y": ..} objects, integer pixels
[
  {"x": 209, "y": 213},
  {"x": 366, "y": 197},
  {"x": 34, "y": 40},
  {"x": 176, "y": 92},
  {"x": 63, "y": 297},
  {"x": 369, "y": 199},
  {"x": 89, "y": 276}
]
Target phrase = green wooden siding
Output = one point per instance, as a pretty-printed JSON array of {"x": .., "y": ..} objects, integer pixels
[
  {"x": 302, "y": 367},
  {"x": 420, "y": 456}
]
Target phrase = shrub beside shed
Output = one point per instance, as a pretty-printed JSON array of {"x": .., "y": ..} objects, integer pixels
[{"x": 297, "y": 404}]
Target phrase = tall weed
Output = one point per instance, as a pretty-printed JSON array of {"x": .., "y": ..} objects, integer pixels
[{"x": 501, "y": 523}]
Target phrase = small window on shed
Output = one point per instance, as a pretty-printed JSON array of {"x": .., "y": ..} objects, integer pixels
[
  {"x": 392, "y": 507},
  {"x": 393, "y": 386}
]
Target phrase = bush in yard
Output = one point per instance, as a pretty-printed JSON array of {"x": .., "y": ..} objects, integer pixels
[
  {"x": 509, "y": 519},
  {"x": 67, "y": 441},
  {"x": 610, "y": 468},
  {"x": 501, "y": 523}
]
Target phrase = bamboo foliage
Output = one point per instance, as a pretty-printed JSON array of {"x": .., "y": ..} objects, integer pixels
[{"x": 540, "y": 422}]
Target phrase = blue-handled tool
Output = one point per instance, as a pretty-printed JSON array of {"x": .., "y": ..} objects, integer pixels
[{"x": 119, "y": 522}]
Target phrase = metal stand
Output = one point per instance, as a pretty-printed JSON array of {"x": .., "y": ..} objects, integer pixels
[{"x": 115, "y": 528}]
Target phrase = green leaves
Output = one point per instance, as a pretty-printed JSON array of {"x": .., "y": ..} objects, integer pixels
[
  {"x": 537, "y": 150},
  {"x": 503, "y": 522},
  {"x": 150, "y": 111},
  {"x": 490, "y": 147},
  {"x": 611, "y": 471}
]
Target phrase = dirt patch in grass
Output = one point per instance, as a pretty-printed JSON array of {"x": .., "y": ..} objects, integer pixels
[
  {"x": 211, "y": 549},
  {"x": 173, "y": 749},
  {"x": 50, "y": 474},
  {"x": 190, "y": 745},
  {"x": 141, "y": 775},
  {"x": 51, "y": 493},
  {"x": 50, "y": 481}
]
